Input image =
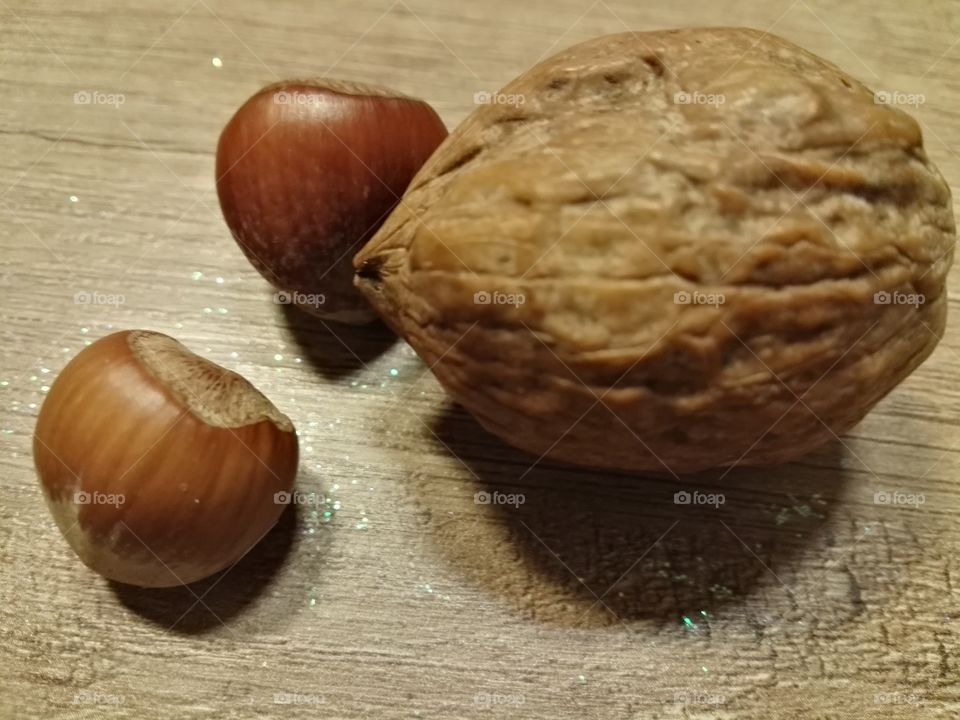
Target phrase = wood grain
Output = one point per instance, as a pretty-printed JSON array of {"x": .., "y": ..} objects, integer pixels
[{"x": 598, "y": 597}]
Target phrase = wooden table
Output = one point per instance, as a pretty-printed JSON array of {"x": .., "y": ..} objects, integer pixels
[{"x": 398, "y": 596}]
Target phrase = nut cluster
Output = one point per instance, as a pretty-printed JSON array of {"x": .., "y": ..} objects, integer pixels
[
  {"x": 161, "y": 468},
  {"x": 626, "y": 261}
]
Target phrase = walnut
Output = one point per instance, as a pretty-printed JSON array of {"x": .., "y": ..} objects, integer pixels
[{"x": 671, "y": 250}]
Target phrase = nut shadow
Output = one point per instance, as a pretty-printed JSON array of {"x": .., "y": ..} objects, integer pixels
[
  {"x": 336, "y": 349},
  {"x": 593, "y": 548},
  {"x": 224, "y": 595}
]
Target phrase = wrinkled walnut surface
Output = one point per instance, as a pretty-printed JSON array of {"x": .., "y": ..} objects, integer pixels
[{"x": 789, "y": 205}]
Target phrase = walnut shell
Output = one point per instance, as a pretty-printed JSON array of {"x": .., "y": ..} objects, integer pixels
[{"x": 711, "y": 248}]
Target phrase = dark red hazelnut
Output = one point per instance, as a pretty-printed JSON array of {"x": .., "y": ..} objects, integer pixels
[{"x": 307, "y": 171}]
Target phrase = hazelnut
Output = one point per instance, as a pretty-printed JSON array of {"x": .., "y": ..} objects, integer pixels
[
  {"x": 159, "y": 467},
  {"x": 306, "y": 173}
]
